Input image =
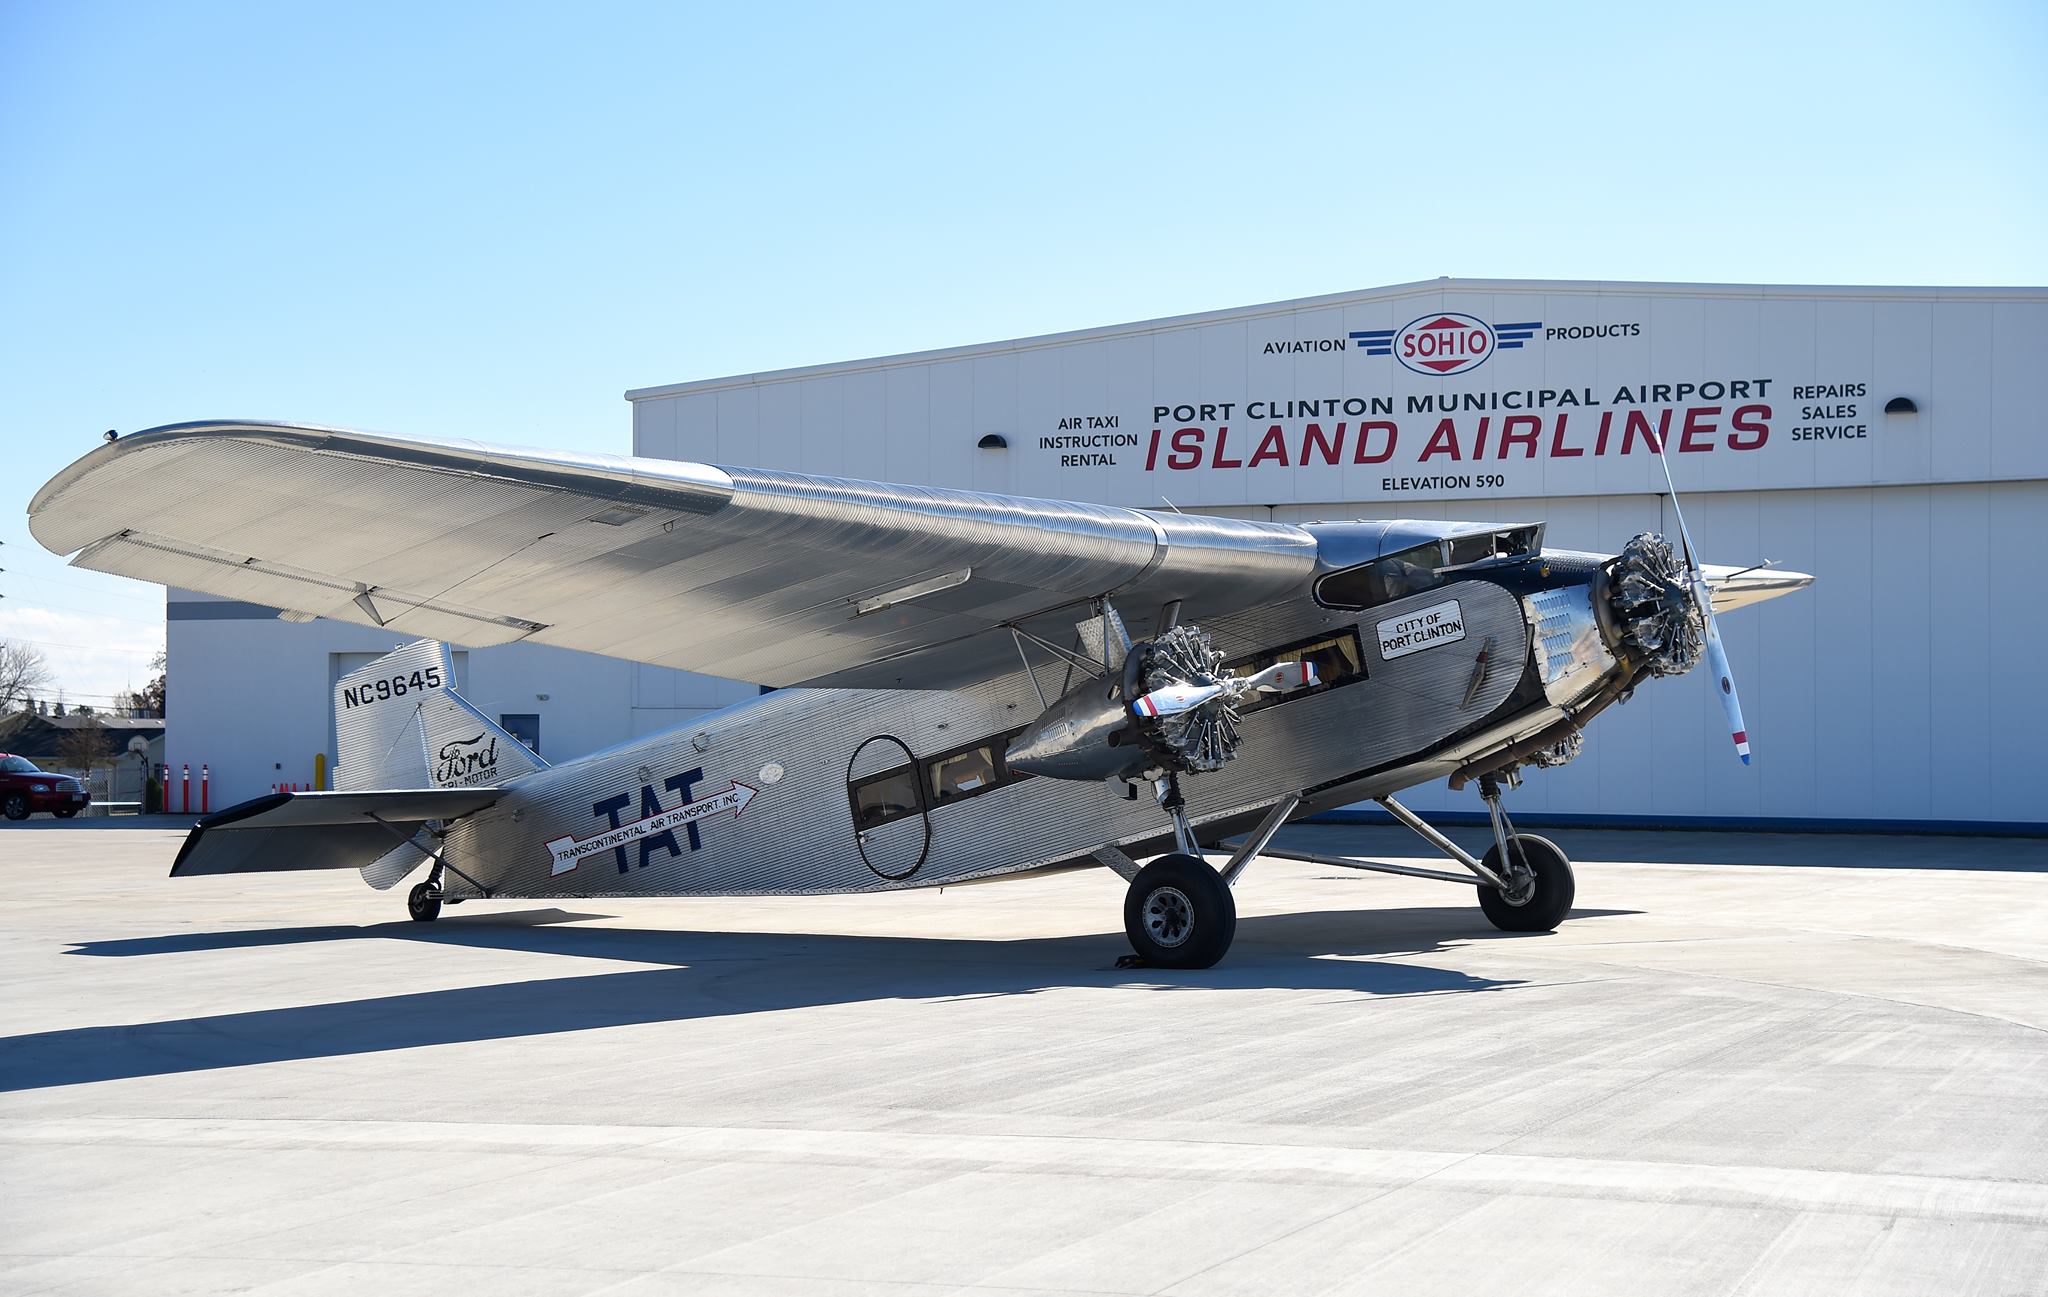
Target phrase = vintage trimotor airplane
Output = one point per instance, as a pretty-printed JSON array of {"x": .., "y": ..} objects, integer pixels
[{"x": 968, "y": 686}]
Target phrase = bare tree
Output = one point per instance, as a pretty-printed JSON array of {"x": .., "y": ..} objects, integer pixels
[
  {"x": 22, "y": 672},
  {"x": 86, "y": 747},
  {"x": 152, "y": 697}
]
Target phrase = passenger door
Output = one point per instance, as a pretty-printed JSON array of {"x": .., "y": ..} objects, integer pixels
[{"x": 885, "y": 796}]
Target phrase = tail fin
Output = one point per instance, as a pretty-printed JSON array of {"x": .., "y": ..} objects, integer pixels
[{"x": 398, "y": 723}]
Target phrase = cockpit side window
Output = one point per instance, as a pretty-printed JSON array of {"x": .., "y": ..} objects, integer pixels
[{"x": 1411, "y": 571}]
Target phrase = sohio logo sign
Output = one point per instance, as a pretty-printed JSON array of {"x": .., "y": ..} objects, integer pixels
[
  {"x": 1445, "y": 342},
  {"x": 1450, "y": 343}
]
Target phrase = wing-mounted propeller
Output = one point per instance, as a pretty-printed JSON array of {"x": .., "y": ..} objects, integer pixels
[
  {"x": 1174, "y": 710},
  {"x": 1188, "y": 712}
]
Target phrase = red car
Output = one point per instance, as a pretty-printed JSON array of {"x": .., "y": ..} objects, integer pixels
[{"x": 24, "y": 790}]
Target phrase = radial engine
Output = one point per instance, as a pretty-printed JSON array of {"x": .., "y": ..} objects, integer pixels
[
  {"x": 1656, "y": 612},
  {"x": 1171, "y": 709}
]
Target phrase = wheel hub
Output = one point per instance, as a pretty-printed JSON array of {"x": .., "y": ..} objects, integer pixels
[
  {"x": 1521, "y": 888},
  {"x": 1169, "y": 916}
]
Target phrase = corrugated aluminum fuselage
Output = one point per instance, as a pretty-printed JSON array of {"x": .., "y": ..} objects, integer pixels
[{"x": 755, "y": 800}]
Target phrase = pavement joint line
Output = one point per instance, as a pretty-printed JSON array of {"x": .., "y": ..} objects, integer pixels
[
  {"x": 1437, "y": 1226},
  {"x": 1851, "y": 994},
  {"x": 1346, "y": 1209},
  {"x": 466, "y": 1184},
  {"x": 1902, "y": 1193},
  {"x": 928, "y": 1285}
]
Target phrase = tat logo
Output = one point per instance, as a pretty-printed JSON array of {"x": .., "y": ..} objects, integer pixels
[
  {"x": 1448, "y": 342},
  {"x": 655, "y": 829}
]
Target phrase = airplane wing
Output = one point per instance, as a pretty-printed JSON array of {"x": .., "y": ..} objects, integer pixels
[
  {"x": 772, "y": 577},
  {"x": 318, "y": 830}
]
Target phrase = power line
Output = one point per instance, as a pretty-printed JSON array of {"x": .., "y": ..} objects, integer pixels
[
  {"x": 45, "y": 643},
  {"x": 75, "y": 585},
  {"x": 105, "y": 616}
]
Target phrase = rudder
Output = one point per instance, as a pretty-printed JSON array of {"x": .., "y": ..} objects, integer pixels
[{"x": 398, "y": 723}]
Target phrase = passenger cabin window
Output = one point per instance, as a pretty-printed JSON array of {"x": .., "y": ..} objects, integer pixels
[
  {"x": 1339, "y": 659},
  {"x": 969, "y": 772},
  {"x": 881, "y": 798},
  {"x": 962, "y": 775},
  {"x": 949, "y": 777}
]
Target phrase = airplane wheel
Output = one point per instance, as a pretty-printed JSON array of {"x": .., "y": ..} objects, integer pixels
[
  {"x": 422, "y": 904},
  {"x": 1179, "y": 913},
  {"x": 1548, "y": 899}
]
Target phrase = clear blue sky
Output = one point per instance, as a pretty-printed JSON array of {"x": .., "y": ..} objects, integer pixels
[{"x": 491, "y": 220}]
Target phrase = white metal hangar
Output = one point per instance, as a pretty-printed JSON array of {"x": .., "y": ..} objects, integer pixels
[{"x": 1885, "y": 440}]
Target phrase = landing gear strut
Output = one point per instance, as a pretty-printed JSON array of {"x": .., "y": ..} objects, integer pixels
[
  {"x": 1525, "y": 882},
  {"x": 1166, "y": 791},
  {"x": 1539, "y": 886}
]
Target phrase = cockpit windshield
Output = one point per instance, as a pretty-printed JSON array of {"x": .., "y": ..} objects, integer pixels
[
  {"x": 1394, "y": 577},
  {"x": 1420, "y": 567}
]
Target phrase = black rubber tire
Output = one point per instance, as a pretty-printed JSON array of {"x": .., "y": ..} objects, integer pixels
[
  {"x": 16, "y": 808},
  {"x": 422, "y": 904},
  {"x": 1555, "y": 887},
  {"x": 66, "y": 813},
  {"x": 1179, "y": 913}
]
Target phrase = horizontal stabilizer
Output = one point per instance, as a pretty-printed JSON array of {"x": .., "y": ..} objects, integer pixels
[{"x": 291, "y": 831}]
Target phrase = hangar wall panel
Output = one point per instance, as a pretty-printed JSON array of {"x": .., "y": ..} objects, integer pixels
[{"x": 1896, "y": 688}]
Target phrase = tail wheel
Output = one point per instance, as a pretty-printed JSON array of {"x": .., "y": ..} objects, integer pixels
[
  {"x": 423, "y": 903},
  {"x": 1179, "y": 913},
  {"x": 1545, "y": 887}
]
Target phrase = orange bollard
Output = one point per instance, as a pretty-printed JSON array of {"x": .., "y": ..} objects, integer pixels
[
  {"x": 185, "y": 798},
  {"x": 203, "y": 779}
]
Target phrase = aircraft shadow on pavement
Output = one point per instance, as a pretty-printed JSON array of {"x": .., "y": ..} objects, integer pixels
[
  {"x": 98, "y": 823},
  {"x": 715, "y": 974},
  {"x": 1593, "y": 847}
]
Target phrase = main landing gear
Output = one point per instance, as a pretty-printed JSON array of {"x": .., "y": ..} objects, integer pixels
[
  {"x": 423, "y": 902},
  {"x": 1539, "y": 886},
  {"x": 1525, "y": 882},
  {"x": 1179, "y": 912}
]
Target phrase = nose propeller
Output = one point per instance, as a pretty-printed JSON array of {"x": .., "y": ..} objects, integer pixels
[{"x": 1717, "y": 655}]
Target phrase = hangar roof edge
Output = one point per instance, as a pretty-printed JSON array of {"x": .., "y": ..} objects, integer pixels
[{"x": 1596, "y": 287}]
